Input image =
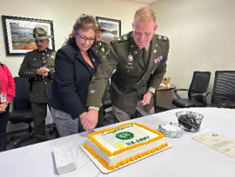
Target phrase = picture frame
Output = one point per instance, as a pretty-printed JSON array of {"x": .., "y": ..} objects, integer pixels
[
  {"x": 112, "y": 28},
  {"x": 18, "y": 33}
]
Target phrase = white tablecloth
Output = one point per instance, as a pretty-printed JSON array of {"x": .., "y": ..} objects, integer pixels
[{"x": 186, "y": 158}]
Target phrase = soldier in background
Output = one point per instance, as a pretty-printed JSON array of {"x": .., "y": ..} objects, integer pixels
[
  {"x": 38, "y": 66},
  {"x": 101, "y": 48}
]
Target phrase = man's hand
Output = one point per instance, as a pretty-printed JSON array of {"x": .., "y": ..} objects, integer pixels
[
  {"x": 90, "y": 120},
  {"x": 3, "y": 107},
  {"x": 43, "y": 71},
  {"x": 146, "y": 98}
]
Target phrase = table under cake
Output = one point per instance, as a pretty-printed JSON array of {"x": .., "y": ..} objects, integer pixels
[{"x": 187, "y": 157}]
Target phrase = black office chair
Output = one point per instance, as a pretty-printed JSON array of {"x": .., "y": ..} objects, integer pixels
[
  {"x": 198, "y": 87},
  {"x": 223, "y": 89},
  {"x": 22, "y": 112}
]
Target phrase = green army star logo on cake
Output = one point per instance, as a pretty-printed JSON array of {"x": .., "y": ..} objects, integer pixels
[{"x": 124, "y": 135}]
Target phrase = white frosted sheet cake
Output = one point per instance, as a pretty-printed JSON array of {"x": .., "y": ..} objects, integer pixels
[{"x": 123, "y": 144}]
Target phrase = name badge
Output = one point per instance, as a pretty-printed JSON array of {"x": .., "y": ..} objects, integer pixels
[{"x": 3, "y": 97}]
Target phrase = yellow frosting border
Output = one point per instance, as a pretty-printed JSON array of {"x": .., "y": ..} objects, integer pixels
[
  {"x": 126, "y": 161},
  {"x": 90, "y": 136}
]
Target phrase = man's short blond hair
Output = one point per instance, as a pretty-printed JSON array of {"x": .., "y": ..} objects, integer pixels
[{"x": 145, "y": 14}]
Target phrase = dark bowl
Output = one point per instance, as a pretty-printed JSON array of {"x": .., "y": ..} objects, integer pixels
[{"x": 190, "y": 120}]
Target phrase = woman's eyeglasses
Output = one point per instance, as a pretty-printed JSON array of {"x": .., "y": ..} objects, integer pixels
[{"x": 84, "y": 39}]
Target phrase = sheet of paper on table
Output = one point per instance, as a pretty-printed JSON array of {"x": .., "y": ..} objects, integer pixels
[{"x": 219, "y": 142}]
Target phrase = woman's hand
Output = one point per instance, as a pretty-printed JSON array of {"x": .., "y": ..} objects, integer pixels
[
  {"x": 82, "y": 116},
  {"x": 3, "y": 107}
]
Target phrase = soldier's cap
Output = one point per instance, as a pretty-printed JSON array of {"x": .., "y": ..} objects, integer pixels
[
  {"x": 100, "y": 28},
  {"x": 40, "y": 34}
]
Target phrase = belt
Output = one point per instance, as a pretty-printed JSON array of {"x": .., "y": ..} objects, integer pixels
[{"x": 42, "y": 79}]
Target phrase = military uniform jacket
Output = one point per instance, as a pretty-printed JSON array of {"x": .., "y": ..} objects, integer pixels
[
  {"x": 32, "y": 61},
  {"x": 101, "y": 48},
  {"x": 132, "y": 77}
]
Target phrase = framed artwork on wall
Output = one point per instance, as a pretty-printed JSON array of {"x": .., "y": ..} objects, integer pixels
[
  {"x": 112, "y": 28},
  {"x": 18, "y": 33}
]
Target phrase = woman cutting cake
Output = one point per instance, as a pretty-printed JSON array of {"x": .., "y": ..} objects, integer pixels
[{"x": 75, "y": 63}]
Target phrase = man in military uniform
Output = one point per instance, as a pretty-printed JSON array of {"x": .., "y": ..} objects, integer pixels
[
  {"x": 101, "y": 48},
  {"x": 139, "y": 58},
  {"x": 38, "y": 66}
]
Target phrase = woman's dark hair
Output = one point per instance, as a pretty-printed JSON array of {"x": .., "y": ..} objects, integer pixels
[
  {"x": 84, "y": 22},
  {"x": 1, "y": 64}
]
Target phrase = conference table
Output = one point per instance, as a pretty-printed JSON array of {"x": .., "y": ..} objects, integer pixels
[{"x": 186, "y": 158}]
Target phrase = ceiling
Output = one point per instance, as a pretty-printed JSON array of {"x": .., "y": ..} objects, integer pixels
[{"x": 144, "y": 1}]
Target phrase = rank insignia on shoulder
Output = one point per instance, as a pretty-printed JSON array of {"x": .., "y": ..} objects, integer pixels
[
  {"x": 102, "y": 49},
  {"x": 125, "y": 37},
  {"x": 164, "y": 38}
]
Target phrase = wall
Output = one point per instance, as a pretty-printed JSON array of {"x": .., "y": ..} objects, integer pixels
[
  {"x": 201, "y": 34},
  {"x": 63, "y": 14}
]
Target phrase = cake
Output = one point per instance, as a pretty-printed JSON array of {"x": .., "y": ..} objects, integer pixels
[{"x": 123, "y": 144}]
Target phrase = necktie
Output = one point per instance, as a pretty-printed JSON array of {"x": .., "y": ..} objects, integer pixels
[{"x": 144, "y": 56}]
